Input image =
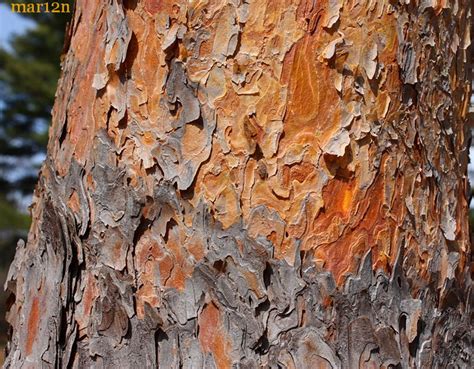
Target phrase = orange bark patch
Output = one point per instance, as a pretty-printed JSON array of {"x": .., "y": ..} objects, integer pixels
[
  {"x": 117, "y": 251},
  {"x": 154, "y": 6},
  {"x": 301, "y": 172},
  {"x": 212, "y": 336},
  {"x": 88, "y": 297},
  {"x": 178, "y": 278},
  {"x": 196, "y": 247},
  {"x": 89, "y": 294},
  {"x": 313, "y": 104},
  {"x": 193, "y": 140},
  {"x": 338, "y": 196},
  {"x": 33, "y": 322},
  {"x": 177, "y": 263},
  {"x": 349, "y": 226},
  {"x": 146, "y": 293},
  {"x": 148, "y": 262},
  {"x": 166, "y": 266},
  {"x": 73, "y": 202},
  {"x": 343, "y": 255}
]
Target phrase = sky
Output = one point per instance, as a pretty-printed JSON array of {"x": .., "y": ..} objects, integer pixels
[{"x": 11, "y": 23}]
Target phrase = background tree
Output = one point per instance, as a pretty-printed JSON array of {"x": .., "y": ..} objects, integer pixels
[
  {"x": 253, "y": 184},
  {"x": 29, "y": 71}
]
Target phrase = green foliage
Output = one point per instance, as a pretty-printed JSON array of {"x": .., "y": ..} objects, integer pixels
[
  {"x": 11, "y": 218},
  {"x": 29, "y": 71}
]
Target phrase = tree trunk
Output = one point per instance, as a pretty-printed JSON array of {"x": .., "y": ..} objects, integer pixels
[{"x": 252, "y": 184}]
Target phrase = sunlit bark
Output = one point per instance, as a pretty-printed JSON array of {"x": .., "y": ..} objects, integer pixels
[{"x": 247, "y": 184}]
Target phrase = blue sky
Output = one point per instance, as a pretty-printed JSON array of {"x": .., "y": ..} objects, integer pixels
[{"x": 11, "y": 23}]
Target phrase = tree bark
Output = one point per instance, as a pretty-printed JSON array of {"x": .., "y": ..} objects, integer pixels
[{"x": 253, "y": 184}]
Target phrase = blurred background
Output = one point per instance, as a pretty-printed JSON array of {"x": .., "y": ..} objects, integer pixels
[{"x": 30, "y": 48}]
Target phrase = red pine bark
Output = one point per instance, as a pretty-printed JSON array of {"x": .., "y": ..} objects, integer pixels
[{"x": 243, "y": 184}]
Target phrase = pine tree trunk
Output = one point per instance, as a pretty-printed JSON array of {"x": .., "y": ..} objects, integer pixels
[{"x": 252, "y": 184}]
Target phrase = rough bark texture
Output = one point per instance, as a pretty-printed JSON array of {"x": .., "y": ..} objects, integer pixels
[{"x": 248, "y": 184}]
